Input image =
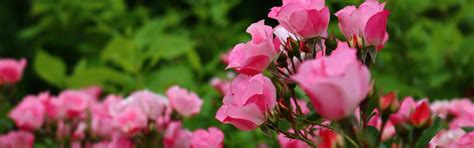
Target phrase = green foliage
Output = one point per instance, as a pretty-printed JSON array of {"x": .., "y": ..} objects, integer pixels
[
  {"x": 50, "y": 68},
  {"x": 429, "y": 133}
]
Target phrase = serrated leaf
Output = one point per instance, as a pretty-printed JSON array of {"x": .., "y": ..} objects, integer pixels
[
  {"x": 50, "y": 68},
  {"x": 429, "y": 133}
]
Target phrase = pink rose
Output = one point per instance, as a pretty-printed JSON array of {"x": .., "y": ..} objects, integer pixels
[
  {"x": 93, "y": 91},
  {"x": 17, "y": 139},
  {"x": 291, "y": 143},
  {"x": 29, "y": 114},
  {"x": 102, "y": 117},
  {"x": 254, "y": 56},
  {"x": 131, "y": 120},
  {"x": 406, "y": 108},
  {"x": 211, "y": 138},
  {"x": 153, "y": 105},
  {"x": 446, "y": 137},
  {"x": 176, "y": 137},
  {"x": 73, "y": 103},
  {"x": 305, "y": 18},
  {"x": 466, "y": 141},
  {"x": 250, "y": 98},
  {"x": 186, "y": 103},
  {"x": 11, "y": 70},
  {"x": 118, "y": 141},
  {"x": 220, "y": 85},
  {"x": 330, "y": 139},
  {"x": 364, "y": 25},
  {"x": 335, "y": 84}
]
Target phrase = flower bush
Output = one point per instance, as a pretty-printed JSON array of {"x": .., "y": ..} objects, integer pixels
[{"x": 297, "y": 83}]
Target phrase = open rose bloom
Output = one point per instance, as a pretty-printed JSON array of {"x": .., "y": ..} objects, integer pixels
[{"x": 11, "y": 70}]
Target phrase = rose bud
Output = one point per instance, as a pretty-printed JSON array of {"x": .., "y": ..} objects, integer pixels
[
  {"x": 389, "y": 102},
  {"x": 421, "y": 116}
]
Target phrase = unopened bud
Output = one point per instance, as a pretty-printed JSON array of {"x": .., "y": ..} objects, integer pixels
[
  {"x": 331, "y": 44},
  {"x": 389, "y": 102},
  {"x": 421, "y": 116},
  {"x": 282, "y": 60}
]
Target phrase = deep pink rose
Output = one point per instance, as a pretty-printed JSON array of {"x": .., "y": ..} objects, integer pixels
[
  {"x": 335, "y": 84},
  {"x": 254, "y": 56},
  {"x": 186, "y": 103},
  {"x": 72, "y": 103},
  {"x": 305, "y": 18},
  {"x": 17, "y": 139},
  {"x": 211, "y": 138},
  {"x": 11, "y": 70},
  {"x": 406, "y": 108},
  {"x": 176, "y": 137},
  {"x": 29, "y": 114},
  {"x": 250, "y": 98},
  {"x": 364, "y": 25}
]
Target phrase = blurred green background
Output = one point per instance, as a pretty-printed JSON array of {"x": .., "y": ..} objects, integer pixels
[{"x": 126, "y": 45}]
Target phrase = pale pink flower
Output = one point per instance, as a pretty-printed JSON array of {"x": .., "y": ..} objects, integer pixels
[
  {"x": 211, "y": 138},
  {"x": 185, "y": 102},
  {"x": 335, "y": 84},
  {"x": 176, "y": 137}
]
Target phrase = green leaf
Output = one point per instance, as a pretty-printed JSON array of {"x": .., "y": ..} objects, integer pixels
[
  {"x": 283, "y": 125},
  {"x": 468, "y": 129},
  {"x": 124, "y": 53},
  {"x": 50, "y": 68},
  {"x": 429, "y": 133},
  {"x": 370, "y": 135},
  {"x": 195, "y": 61},
  {"x": 101, "y": 76},
  {"x": 170, "y": 46},
  {"x": 167, "y": 76}
]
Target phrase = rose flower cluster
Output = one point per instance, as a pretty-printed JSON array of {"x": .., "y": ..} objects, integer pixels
[
  {"x": 81, "y": 118},
  {"x": 298, "y": 81}
]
